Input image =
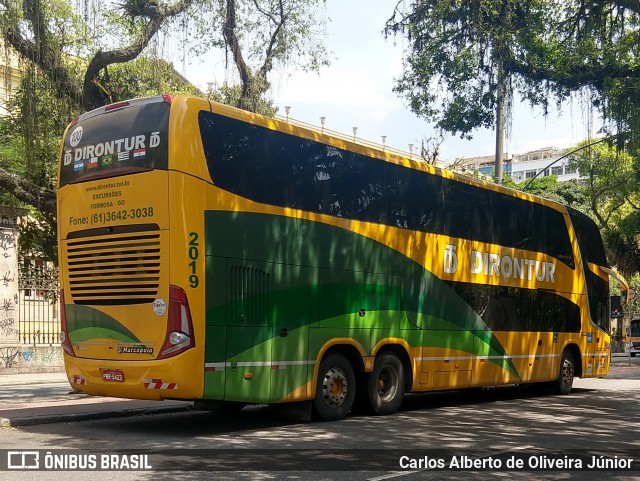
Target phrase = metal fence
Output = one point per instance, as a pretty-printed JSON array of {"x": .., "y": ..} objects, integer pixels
[{"x": 38, "y": 306}]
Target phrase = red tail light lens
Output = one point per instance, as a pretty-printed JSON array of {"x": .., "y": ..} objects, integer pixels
[
  {"x": 64, "y": 332},
  {"x": 116, "y": 106},
  {"x": 179, "y": 335}
]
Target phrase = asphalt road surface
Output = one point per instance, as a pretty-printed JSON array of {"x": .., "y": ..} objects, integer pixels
[{"x": 504, "y": 433}]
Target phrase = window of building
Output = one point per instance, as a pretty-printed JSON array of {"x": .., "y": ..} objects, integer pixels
[{"x": 32, "y": 272}]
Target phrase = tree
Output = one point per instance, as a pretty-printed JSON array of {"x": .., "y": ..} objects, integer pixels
[
  {"x": 614, "y": 201},
  {"x": 457, "y": 71},
  {"x": 587, "y": 46},
  {"x": 50, "y": 41},
  {"x": 78, "y": 52},
  {"x": 284, "y": 31},
  {"x": 541, "y": 48}
]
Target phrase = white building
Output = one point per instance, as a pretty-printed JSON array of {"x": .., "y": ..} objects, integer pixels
[
  {"x": 544, "y": 162},
  {"x": 520, "y": 167}
]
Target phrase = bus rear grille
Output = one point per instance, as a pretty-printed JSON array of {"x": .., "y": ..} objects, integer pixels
[{"x": 122, "y": 269}]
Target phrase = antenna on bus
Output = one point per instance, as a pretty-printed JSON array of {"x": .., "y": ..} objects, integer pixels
[
  {"x": 322, "y": 119},
  {"x": 355, "y": 129},
  {"x": 410, "y": 151},
  {"x": 384, "y": 142},
  {"x": 287, "y": 109}
]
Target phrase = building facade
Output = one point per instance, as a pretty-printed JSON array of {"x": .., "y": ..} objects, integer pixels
[
  {"x": 521, "y": 167},
  {"x": 10, "y": 75}
]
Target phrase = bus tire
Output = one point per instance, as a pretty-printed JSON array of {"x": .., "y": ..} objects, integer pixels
[
  {"x": 335, "y": 388},
  {"x": 386, "y": 384},
  {"x": 564, "y": 383}
]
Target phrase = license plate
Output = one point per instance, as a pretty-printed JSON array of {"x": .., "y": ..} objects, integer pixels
[{"x": 112, "y": 375}]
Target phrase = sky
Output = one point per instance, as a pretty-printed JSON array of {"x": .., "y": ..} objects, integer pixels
[{"x": 356, "y": 90}]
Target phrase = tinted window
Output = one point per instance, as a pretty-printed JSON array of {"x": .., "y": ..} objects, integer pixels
[
  {"x": 592, "y": 250},
  {"x": 280, "y": 169},
  {"x": 551, "y": 234},
  {"x": 118, "y": 142},
  {"x": 518, "y": 309},
  {"x": 349, "y": 185},
  {"x": 468, "y": 212},
  {"x": 275, "y": 169},
  {"x": 589, "y": 239},
  {"x": 414, "y": 200}
]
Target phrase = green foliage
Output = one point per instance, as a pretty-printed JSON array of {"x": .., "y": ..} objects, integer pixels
[
  {"x": 230, "y": 95},
  {"x": 608, "y": 193},
  {"x": 609, "y": 181},
  {"x": 75, "y": 56},
  {"x": 38, "y": 237},
  {"x": 459, "y": 51},
  {"x": 37, "y": 119},
  {"x": 571, "y": 193},
  {"x": 142, "y": 77}
]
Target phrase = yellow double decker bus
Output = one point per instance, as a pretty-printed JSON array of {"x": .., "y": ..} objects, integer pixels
[{"x": 215, "y": 255}]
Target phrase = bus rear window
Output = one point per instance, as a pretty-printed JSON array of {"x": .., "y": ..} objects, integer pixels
[{"x": 114, "y": 142}]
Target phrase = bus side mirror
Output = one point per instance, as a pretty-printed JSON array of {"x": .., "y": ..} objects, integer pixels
[{"x": 616, "y": 307}]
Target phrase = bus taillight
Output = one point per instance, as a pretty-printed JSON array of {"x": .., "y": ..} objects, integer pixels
[
  {"x": 179, "y": 335},
  {"x": 116, "y": 106},
  {"x": 64, "y": 333}
]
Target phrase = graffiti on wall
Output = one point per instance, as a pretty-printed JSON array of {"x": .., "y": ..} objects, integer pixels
[
  {"x": 7, "y": 242},
  {"x": 7, "y": 316},
  {"x": 42, "y": 355},
  {"x": 9, "y": 356},
  {"x": 12, "y": 356},
  {"x": 8, "y": 284}
]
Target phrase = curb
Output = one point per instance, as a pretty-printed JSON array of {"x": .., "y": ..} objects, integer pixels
[{"x": 88, "y": 416}]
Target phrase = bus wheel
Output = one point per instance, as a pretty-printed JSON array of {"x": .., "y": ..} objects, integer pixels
[
  {"x": 565, "y": 379},
  {"x": 336, "y": 388},
  {"x": 386, "y": 384}
]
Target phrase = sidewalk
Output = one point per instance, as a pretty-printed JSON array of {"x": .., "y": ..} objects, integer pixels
[{"x": 42, "y": 398}]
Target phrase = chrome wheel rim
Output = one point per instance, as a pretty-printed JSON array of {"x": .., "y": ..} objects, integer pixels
[
  {"x": 567, "y": 373},
  {"x": 387, "y": 383},
  {"x": 334, "y": 387}
]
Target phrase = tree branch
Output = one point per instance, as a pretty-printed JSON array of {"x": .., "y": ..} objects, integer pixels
[
  {"x": 229, "y": 33},
  {"x": 100, "y": 60},
  {"x": 42, "y": 54},
  {"x": 42, "y": 198},
  {"x": 273, "y": 42}
]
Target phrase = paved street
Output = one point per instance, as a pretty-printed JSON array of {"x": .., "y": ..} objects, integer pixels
[{"x": 600, "y": 417}]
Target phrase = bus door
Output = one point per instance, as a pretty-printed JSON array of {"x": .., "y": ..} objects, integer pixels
[
  {"x": 290, "y": 317},
  {"x": 547, "y": 356}
]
